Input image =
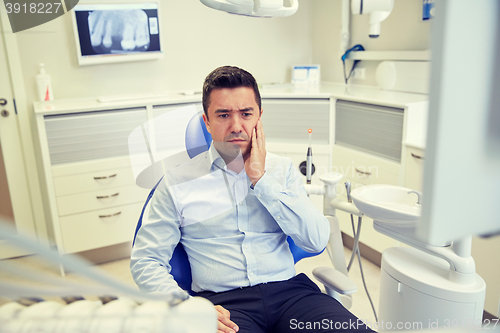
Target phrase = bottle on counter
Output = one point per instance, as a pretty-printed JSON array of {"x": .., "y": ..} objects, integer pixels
[{"x": 44, "y": 85}]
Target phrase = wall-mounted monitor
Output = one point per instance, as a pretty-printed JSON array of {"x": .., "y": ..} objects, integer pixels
[{"x": 108, "y": 33}]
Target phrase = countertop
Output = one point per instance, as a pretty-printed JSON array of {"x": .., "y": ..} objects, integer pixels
[{"x": 367, "y": 94}]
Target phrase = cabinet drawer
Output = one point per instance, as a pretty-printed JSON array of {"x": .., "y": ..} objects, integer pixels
[
  {"x": 117, "y": 196},
  {"x": 93, "y": 181},
  {"x": 98, "y": 165},
  {"x": 101, "y": 228},
  {"x": 363, "y": 168}
]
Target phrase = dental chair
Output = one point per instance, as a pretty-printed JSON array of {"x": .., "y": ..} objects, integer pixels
[{"x": 335, "y": 280}]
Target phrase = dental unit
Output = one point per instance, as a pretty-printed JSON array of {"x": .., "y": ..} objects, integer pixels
[{"x": 422, "y": 283}]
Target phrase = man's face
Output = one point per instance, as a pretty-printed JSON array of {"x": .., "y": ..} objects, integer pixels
[{"x": 232, "y": 116}]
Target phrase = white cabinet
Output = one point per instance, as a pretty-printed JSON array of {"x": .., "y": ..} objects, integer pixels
[
  {"x": 92, "y": 197},
  {"x": 98, "y": 203},
  {"x": 362, "y": 169},
  {"x": 413, "y": 167},
  {"x": 369, "y": 150}
]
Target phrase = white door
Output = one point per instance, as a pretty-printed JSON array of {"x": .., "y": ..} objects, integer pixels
[{"x": 15, "y": 201}]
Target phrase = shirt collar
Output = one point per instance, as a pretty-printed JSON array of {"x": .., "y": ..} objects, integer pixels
[
  {"x": 215, "y": 158},
  {"x": 216, "y": 161}
]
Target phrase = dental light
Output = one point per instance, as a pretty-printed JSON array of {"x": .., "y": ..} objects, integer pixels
[
  {"x": 379, "y": 10},
  {"x": 257, "y": 8}
]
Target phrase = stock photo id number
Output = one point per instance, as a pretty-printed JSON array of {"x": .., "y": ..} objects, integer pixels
[
  {"x": 33, "y": 8},
  {"x": 26, "y": 14}
]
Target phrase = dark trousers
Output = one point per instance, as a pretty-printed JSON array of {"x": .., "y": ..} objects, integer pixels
[{"x": 294, "y": 305}]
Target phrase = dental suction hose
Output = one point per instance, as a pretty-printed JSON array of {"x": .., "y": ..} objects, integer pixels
[
  {"x": 355, "y": 248},
  {"x": 331, "y": 203}
]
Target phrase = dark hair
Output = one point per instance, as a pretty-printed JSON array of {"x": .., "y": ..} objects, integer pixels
[{"x": 228, "y": 77}]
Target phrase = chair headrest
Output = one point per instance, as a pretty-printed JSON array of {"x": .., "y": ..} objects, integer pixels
[{"x": 198, "y": 139}]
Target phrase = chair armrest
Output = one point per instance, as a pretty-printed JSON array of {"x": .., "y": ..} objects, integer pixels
[{"x": 335, "y": 280}]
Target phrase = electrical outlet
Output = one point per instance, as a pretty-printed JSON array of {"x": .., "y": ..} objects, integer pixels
[{"x": 359, "y": 73}]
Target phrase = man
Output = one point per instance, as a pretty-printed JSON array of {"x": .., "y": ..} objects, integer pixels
[{"x": 232, "y": 208}]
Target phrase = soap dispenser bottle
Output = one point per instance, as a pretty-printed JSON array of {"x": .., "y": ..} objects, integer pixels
[{"x": 44, "y": 85}]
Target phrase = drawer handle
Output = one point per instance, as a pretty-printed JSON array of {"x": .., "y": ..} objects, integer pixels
[
  {"x": 111, "y": 215},
  {"x": 105, "y": 177},
  {"x": 416, "y": 156},
  {"x": 363, "y": 172},
  {"x": 107, "y": 196}
]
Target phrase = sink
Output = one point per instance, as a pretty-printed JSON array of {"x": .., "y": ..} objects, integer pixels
[{"x": 388, "y": 203}]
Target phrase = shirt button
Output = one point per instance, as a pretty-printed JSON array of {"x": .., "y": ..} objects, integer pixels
[{"x": 279, "y": 218}]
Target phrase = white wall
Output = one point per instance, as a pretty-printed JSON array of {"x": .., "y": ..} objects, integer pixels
[{"x": 403, "y": 30}]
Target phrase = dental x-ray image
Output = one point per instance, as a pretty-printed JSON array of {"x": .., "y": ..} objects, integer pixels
[
  {"x": 117, "y": 31},
  {"x": 127, "y": 31}
]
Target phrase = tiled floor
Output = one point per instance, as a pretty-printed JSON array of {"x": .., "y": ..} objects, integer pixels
[{"x": 119, "y": 270}]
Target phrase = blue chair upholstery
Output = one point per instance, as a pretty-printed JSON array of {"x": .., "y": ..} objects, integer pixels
[{"x": 197, "y": 141}]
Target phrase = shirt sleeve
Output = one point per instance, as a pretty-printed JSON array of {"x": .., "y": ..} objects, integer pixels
[
  {"x": 154, "y": 245},
  {"x": 286, "y": 199}
]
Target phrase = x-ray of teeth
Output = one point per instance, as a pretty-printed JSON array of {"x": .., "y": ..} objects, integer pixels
[{"x": 113, "y": 31}]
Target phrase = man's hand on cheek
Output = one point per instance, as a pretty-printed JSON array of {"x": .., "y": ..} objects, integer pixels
[{"x": 255, "y": 163}]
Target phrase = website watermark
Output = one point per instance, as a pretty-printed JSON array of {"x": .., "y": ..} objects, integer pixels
[{"x": 329, "y": 324}]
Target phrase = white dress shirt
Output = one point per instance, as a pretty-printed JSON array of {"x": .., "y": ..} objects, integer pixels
[{"x": 234, "y": 233}]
